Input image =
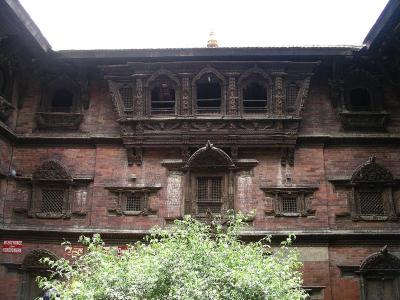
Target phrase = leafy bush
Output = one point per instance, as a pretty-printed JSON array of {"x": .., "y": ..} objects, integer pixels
[{"x": 190, "y": 260}]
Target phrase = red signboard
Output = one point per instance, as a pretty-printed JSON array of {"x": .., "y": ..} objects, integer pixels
[{"x": 13, "y": 247}]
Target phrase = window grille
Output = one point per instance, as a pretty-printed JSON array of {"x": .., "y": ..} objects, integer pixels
[
  {"x": 209, "y": 194},
  {"x": 291, "y": 96},
  {"x": 289, "y": 204},
  {"x": 126, "y": 96},
  {"x": 371, "y": 203},
  {"x": 52, "y": 201},
  {"x": 134, "y": 202}
]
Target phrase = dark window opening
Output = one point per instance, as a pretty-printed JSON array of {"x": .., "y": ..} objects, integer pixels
[
  {"x": 371, "y": 203},
  {"x": 135, "y": 202},
  {"x": 208, "y": 94},
  {"x": 289, "y": 204},
  {"x": 126, "y": 96},
  {"x": 2, "y": 81},
  {"x": 52, "y": 201},
  {"x": 162, "y": 99},
  {"x": 360, "y": 99},
  {"x": 209, "y": 194},
  {"x": 62, "y": 101},
  {"x": 254, "y": 98},
  {"x": 291, "y": 96}
]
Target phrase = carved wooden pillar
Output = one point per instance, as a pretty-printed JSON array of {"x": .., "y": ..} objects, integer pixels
[
  {"x": 186, "y": 104},
  {"x": 279, "y": 93},
  {"x": 139, "y": 96},
  {"x": 232, "y": 95}
]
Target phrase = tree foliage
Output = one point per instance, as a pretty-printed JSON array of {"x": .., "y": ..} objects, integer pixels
[{"x": 190, "y": 260}]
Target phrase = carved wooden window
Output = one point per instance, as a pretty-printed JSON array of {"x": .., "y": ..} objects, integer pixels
[
  {"x": 163, "y": 98},
  {"x": 290, "y": 204},
  {"x": 61, "y": 101},
  {"x": 52, "y": 200},
  {"x": 292, "y": 92},
  {"x": 372, "y": 192},
  {"x": 380, "y": 276},
  {"x": 208, "y": 95},
  {"x": 360, "y": 100},
  {"x": 209, "y": 194},
  {"x": 126, "y": 94},
  {"x": 255, "y": 97}
]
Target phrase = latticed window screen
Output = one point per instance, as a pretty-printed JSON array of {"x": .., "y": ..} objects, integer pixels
[
  {"x": 135, "y": 202},
  {"x": 291, "y": 95},
  {"x": 52, "y": 201},
  {"x": 209, "y": 194},
  {"x": 289, "y": 204},
  {"x": 371, "y": 203},
  {"x": 126, "y": 96}
]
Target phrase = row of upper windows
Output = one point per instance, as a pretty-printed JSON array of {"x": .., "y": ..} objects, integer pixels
[{"x": 256, "y": 97}]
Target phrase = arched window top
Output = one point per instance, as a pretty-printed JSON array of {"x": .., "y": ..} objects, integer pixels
[
  {"x": 51, "y": 171},
  {"x": 32, "y": 259},
  {"x": 210, "y": 157},
  {"x": 255, "y": 74},
  {"x": 164, "y": 76},
  {"x": 62, "y": 100},
  {"x": 371, "y": 171},
  {"x": 381, "y": 261},
  {"x": 207, "y": 74}
]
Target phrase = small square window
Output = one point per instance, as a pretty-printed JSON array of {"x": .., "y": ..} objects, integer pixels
[
  {"x": 52, "y": 201},
  {"x": 135, "y": 202},
  {"x": 289, "y": 204}
]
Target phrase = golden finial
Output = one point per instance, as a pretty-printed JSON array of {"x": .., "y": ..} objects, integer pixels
[{"x": 212, "y": 41}]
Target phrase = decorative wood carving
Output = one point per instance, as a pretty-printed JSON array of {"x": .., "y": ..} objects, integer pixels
[
  {"x": 116, "y": 98},
  {"x": 58, "y": 121},
  {"x": 303, "y": 95},
  {"x": 135, "y": 155},
  {"x": 232, "y": 96},
  {"x": 51, "y": 170},
  {"x": 139, "y": 97},
  {"x": 382, "y": 261},
  {"x": 210, "y": 156},
  {"x": 32, "y": 259},
  {"x": 186, "y": 96},
  {"x": 372, "y": 172},
  {"x": 279, "y": 93}
]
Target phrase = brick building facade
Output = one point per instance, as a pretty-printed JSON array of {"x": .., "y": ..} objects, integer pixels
[{"x": 117, "y": 141}]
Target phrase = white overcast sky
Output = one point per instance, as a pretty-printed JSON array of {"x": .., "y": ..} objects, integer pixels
[{"x": 122, "y": 24}]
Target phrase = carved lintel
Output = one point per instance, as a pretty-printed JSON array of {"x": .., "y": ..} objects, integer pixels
[{"x": 135, "y": 155}]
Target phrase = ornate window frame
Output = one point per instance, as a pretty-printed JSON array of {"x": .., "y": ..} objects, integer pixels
[
  {"x": 32, "y": 267},
  {"x": 123, "y": 192},
  {"x": 153, "y": 80},
  {"x": 53, "y": 175},
  {"x": 373, "y": 119},
  {"x": 259, "y": 76},
  {"x": 369, "y": 176},
  {"x": 49, "y": 120},
  {"x": 276, "y": 195},
  {"x": 223, "y": 85}
]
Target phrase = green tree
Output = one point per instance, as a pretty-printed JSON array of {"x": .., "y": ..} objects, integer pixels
[{"x": 191, "y": 260}]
